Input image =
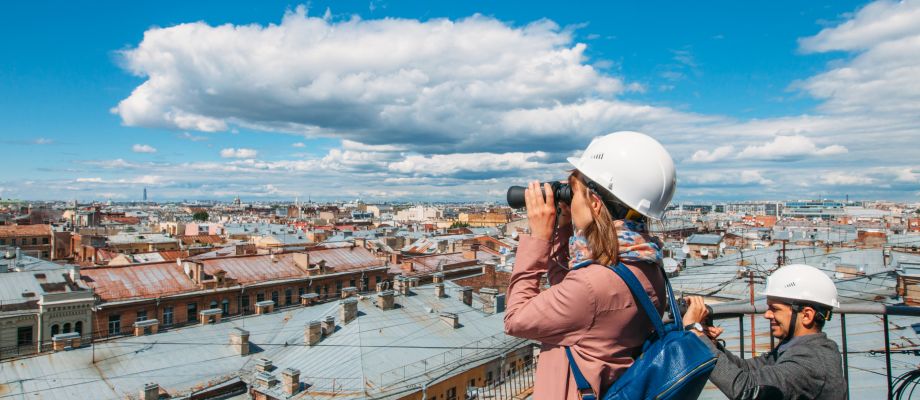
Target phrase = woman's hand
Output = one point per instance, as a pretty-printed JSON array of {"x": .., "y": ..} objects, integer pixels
[{"x": 541, "y": 212}]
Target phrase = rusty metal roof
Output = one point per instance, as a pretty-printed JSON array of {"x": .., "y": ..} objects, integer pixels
[
  {"x": 137, "y": 281},
  {"x": 24, "y": 230}
]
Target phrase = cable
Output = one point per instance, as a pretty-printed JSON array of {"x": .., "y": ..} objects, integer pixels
[{"x": 908, "y": 380}]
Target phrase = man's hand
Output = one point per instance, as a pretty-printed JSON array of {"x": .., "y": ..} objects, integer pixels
[
  {"x": 696, "y": 310},
  {"x": 541, "y": 213}
]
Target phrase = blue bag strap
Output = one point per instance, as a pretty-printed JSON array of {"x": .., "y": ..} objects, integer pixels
[
  {"x": 638, "y": 292},
  {"x": 584, "y": 388}
]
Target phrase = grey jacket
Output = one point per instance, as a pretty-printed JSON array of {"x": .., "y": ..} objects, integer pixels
[{"x": 807, "y": 368}]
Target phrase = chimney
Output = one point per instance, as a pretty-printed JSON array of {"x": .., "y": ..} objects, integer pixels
[
  {"x": 313, "y": 333},
  {"x": 239, "y": 340},
  {"x": 264, "y": 365},
  {"x": 74, "y": 273},
  {"x": 381, "y": 286},
  {"x": 438, "y": 277},
  {"x": 290, "y": 381},
  {"x": 500, "y": 303},
  {"x": 471, "y": 253},
  {"x": 413, "y": 282},
  {"x": 349, "y": 292},
  {"x": 307, "y": 299},
  {"x": 488, "y": 273},
  {"x": 348, "y": 310},
  {"x": 439, "y": 290},
  {"x": 266, "y": 380},
  {"x": 395, "y": 258},
  {"x": 488, "y": 295},
  {"x": 302, "y": 260},
  {"x": 328, "y": 325},
  {"x": 451, "y": 319},
  {"x": 404, "y": 286},
  {"x": 466, "y": 293},
  {"x": 407, "y": 266},
  {"x": 385, "y": 300},
  {"x": 151, "y": 391}
]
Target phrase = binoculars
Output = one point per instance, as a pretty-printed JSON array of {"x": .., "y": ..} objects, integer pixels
[{"x": 562, "y": 193}]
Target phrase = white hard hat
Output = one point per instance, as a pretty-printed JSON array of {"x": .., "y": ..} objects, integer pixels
[
  {"x": 632, "y": 166},
  {"x": 804, "y": 283}
]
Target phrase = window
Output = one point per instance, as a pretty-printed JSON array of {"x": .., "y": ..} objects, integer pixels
[
  {"x": 225, "y": 308},
  {"x": 141, "y": 315},
  {"x": 488, "y": 378},
  {"x": 67, "y": 327},
  {"x": 300, "y": 292},
  {"x": 288, "y": 293},
  {"x": 44, "y": 240},
  {"x": 2, "y": 242},
  {"x": 78, "y": 327},
  {"x": 260, "y": 297},
  {"x": 213, "y": 304},
  {"x": 55, "y": 329},
  {"x": 365, "y": 282},
  {"x": 192, "y": 311},
  {"x": 316, "y": 290},
  {"x": 34, "y": 241},
  {"x": 114, "y": 324},
  {"x": 167, "y": 316},
  {"x": 352, "y": 282},
  {"x": 452, "y": 393},
  {"x": 45, "y": 254},
  {"x": 24, "y": 336},
  {"x": 244, "y": 302},
  {"x": 377, "y": 279},
  {"x": 338, "y": 288},
  {"x": 275, "y": 297}
]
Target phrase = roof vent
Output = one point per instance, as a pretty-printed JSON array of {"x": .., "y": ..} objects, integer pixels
[{"x": 28, "y": 293}]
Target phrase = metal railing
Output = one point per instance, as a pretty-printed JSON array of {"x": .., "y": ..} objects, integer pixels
[
  {"x": 515, "y": 384},
  {"x": 740, "y": 310}
]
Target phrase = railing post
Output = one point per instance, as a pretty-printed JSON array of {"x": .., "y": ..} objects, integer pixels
[
  {"x": 846, "y": 361},
  {"x": 741, "y": 333},
  {"x": 887, "y": 354}
]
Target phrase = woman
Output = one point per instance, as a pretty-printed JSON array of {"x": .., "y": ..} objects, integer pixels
[{"x": 620, "y": 181}]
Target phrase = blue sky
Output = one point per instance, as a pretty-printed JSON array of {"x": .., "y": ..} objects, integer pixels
[{"x": 453, "y": 101}]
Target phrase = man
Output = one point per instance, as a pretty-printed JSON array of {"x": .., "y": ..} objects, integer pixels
[{"x": 805, "y": 365}]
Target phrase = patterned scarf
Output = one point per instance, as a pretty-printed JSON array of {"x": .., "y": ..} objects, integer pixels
[{"x": 636, "y": 245}]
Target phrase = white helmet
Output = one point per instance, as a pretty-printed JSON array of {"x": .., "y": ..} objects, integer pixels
[
  {"x": 633, "y": 167},
  {"x": 804, "y": 283}
]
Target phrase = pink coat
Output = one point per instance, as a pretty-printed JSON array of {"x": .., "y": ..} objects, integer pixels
[{"x": 589, "y": 309}]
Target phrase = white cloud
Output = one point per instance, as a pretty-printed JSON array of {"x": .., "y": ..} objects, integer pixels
[
  {"x": 789, "y": 147},
  {"x": 299, "y": 145},
  {"x": 717, "y": 154},
  {"x": 42, "y": 140},
  {"x": 238, "y": 153},
  {"x": 194, "y": 138},
  {"x": 377, "y": 82},
  {"x": 143, "y": 148},
  {"x": 89, "y": 180},
  {"x": 877, "y": 22},
  {"x": 840, "y": 178},
  {"x": 452, "y": 164}
]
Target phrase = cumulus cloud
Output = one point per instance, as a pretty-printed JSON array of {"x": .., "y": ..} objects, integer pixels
[
  {"x": 143, "y": 148},
  {"x": 377, "y": 82},
  {"x": 840, "y": 178},
  {"x": 238, "y": 153},
  {"x": 789, "y": 147},
  {"x": 452, "y": 164},
  {"x": 883, "y": 76},
  {"x": 717, "y": 154}
]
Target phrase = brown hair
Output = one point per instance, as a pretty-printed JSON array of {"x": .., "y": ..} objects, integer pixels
[{"x": 601, "y": 234}]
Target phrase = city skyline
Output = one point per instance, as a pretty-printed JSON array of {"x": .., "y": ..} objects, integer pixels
[{"x": 397, "y": 101}]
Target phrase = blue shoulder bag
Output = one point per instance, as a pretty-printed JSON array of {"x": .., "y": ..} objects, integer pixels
[{"x": 674, "y": 364}]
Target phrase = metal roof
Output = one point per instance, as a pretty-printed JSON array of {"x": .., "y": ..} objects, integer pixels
[
  {"x": 365, "y": 358},
  {"x": 704, "y": 239}
]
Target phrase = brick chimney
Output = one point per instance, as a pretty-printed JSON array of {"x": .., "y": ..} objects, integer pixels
[
  {"x": 395, "y": 258},
  {"x": 348, "y": 310},
  {"x": 488, "y": 297},
  {"x": 313, "y": 332},
  {"x": 466, "y": 294},
  {"x": 438, "y": 277},
  {"x": 290, "y": 381},
  {"x": 488, "y": 273},
  {"x": 307, "y": 299},
  {"x": 407, "y": 266},
  {"x": 349, "y": 292},
  {"x": 451, "y": 319},
  {"x": 439, "y": 289},
  {"x": 328, "y": 325},
  {"x": 151, "y": 391},
  {"x": 471, "y": 253},
  {"x": 385, "y": 300},
  {"x": 239, "y": 340},
  {"x": 302, "y": 260},
  {"x": 264, "y": 365}
]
